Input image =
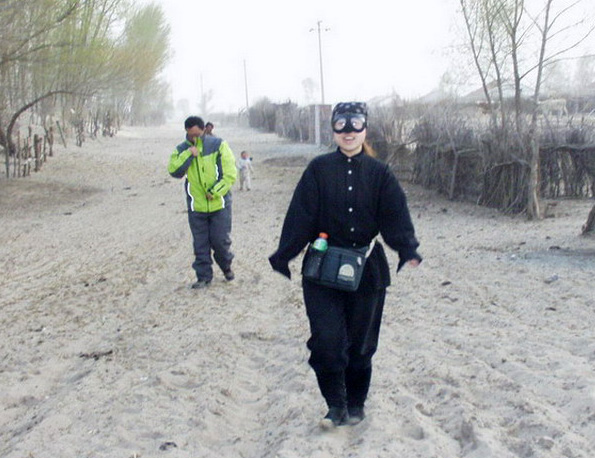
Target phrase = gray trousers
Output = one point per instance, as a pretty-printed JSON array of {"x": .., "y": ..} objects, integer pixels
[{"x": 211, "y": 231}]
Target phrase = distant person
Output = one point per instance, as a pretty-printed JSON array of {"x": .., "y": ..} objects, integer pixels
[
  {"x": 209, "y": 126},
  {"x": 352, "y": 198},
  {"x": 208, "y": 164},
  {"x": 246, "y": 171}
]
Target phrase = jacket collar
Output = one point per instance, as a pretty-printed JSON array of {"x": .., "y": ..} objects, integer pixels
[{"x": 357, "y": 158}]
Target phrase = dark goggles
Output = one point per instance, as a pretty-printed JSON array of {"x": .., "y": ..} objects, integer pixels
[{"x": 349, "y": 122}]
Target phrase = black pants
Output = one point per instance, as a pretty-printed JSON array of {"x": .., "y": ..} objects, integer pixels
[
  {"x": 211, "y": 231},
  {"x": 344, "y": 328}
]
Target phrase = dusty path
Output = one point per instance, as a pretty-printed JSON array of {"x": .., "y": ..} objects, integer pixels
[{"x": 487, "y": 349}]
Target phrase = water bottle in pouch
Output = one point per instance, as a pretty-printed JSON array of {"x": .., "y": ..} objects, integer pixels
[
  {"x": 314, "y": 256},
  {"x": 321, "y": 243}
]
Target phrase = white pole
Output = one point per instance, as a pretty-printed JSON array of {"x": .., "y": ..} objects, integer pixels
[{"x": 246, "y": 86}]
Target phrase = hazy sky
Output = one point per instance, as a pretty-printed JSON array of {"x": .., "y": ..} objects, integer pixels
[{"x": 372, "y": 48}]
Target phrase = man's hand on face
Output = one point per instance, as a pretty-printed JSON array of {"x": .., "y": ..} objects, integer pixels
[
  {"x": 194, "y": 151},
  {"x": 193, "y": 134}
]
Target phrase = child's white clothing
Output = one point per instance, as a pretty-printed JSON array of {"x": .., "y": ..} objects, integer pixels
[{"x": 245, "y": 168}]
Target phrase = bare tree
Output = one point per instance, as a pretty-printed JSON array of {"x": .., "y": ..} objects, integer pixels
[
  {"x": 550, "y": 24},
  {"x": 511, "y": 42}
]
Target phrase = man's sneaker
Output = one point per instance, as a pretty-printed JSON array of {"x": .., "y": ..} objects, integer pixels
[
  {"x": 200, "y": 284},
  {"x": 336, "y": 416},
  {"x": 229, "y": 275},
  {"x": 356, "y": 415}
]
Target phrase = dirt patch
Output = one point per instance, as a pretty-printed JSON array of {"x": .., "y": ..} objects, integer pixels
[
  {"x": 20, "y": 196},
  {"x": 578, "y": 258}
]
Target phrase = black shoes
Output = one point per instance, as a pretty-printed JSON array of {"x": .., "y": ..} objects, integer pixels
[
  {"x": 339, "y": 416},
  {"x": 200, "y": 284},
  {"x": 336, "y": 416},
  {"x": 229, "y": 275},
  {"x": 356, "y": 415}
]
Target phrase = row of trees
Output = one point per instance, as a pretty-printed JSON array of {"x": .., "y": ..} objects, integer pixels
[{"x": 88, "y": 63}]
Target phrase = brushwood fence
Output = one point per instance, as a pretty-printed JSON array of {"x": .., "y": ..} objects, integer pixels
[
  {"x": 567, "y": 171},
  {"x": 31, "y": 152}
]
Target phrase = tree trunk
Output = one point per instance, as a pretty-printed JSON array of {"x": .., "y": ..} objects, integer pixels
[
  {"x": 534, "y": 200},
  {"x": 589, "y": 226}
]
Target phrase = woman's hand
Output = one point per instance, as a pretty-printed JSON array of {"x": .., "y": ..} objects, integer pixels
[{"x": 413, "y": 262}]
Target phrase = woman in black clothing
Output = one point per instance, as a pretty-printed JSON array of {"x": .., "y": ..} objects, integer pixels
[{"x": 352, "y": 197}]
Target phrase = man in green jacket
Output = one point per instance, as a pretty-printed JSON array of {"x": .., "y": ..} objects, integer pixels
[{"x": 208, "y": 164}]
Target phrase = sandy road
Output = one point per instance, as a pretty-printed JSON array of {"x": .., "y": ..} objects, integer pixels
[{"x": 487, "y": 349}]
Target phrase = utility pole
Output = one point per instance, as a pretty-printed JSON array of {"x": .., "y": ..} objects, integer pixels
[
  {"x": 317, "y": 111},
  {"x": 246, "y": 87},
  {"x": 319, "y": 30}
]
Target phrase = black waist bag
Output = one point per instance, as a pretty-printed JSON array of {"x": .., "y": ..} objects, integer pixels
[{"x": 339, "y": 268}]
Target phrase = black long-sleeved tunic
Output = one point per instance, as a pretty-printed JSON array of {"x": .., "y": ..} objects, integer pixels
[{"x": 352, "y": 200}]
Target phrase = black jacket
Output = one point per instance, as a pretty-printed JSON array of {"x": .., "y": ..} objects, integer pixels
[{"x": 352, "y": 200}]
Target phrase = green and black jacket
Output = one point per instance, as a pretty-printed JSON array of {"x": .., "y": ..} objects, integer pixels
[{"x": 212, "y": 171}]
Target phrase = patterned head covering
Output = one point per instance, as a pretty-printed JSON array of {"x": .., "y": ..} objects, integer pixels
[
  {"x": 349, "y": 117},
  {"x": 350, "y": 107}
]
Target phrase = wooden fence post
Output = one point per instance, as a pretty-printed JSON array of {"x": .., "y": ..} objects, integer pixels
[
  {"x": 51, "y": 140},
  {"x": 589, "y": 226},
  {"x": 37, "y": 152},
  {"x": 61, "y": 133},
  {"x": 31, "y": 148},
  {"x": 16, "y": 168},
  {"x": 27, "y": 157}
]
